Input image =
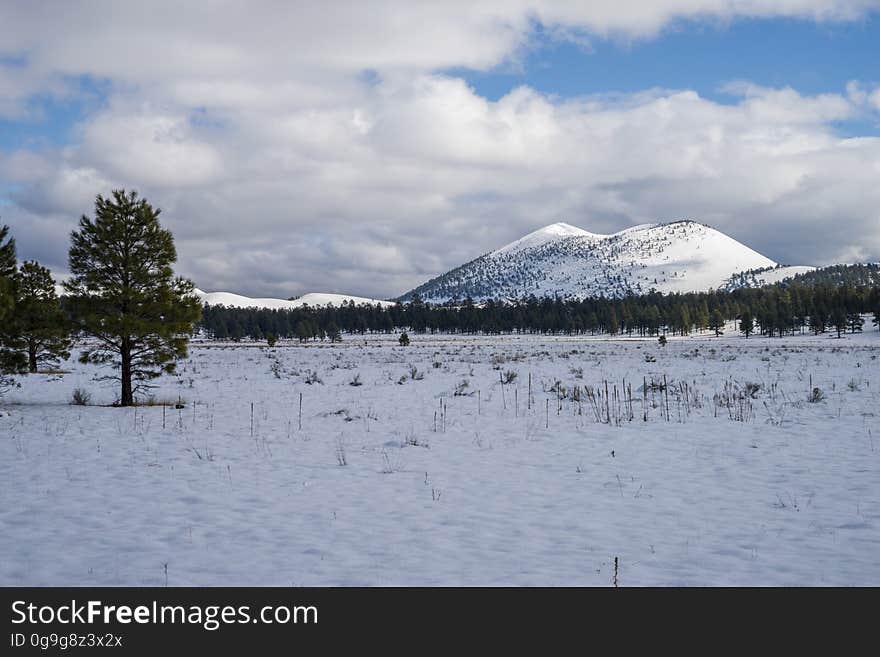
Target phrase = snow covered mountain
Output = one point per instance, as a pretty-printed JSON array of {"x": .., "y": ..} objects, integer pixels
[
  {"x": 313, "y": 299},
  {"x": 570, "y": 262}
]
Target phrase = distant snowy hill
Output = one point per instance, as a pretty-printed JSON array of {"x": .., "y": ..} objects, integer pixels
[
  {"x": 313, "y": 299},
  {"x": 564, "y": 260}
]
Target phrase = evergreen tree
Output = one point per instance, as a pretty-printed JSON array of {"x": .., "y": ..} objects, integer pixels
[
  {"x": 855, "y": 322},
  {"x": 303, "y": 331},
  {"x": 220, "y": 331},
  {"x": 704, "y": 318},
  {"x": 7, "y": 272},
  {"x": 874, "y": 305},
  {"x": 653, "y": 319},
  {"x": 403, "y": 339},
  {"x": 42, "y": 325},
  {"x": 12, "y": 359},
  {"x": 838, "y": 319},
  {"x": 716, "y": 322},
  {"x": 236, "y": 332},
  {"x": 123, "y": 291},
  {"x": 746, "y": 323},
  {"x": 613, "y": 326},
  {"x": 333, "y": 332},
  {"x": 684, "y": 320}
]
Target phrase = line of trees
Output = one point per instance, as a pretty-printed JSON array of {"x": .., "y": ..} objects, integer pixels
[
  {"x": 122, "y": 296},
  {"x": 770, "y": 311}
]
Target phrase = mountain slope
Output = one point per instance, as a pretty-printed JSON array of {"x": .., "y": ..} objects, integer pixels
[
  {"x": 768, "y": 276},
  {"x": 567, "y": 261},
  {"x": 313, "y": 299}
]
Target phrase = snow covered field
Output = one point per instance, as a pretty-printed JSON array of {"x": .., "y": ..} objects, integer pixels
[{"x": 400, "y": 480}]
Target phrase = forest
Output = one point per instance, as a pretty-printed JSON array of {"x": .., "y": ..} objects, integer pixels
[{"x": 777, "y": 310}]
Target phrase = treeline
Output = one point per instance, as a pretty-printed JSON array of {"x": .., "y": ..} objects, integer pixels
[{"x": 770, "y": 311}]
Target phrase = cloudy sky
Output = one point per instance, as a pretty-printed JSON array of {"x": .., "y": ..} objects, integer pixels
[{"x": 363, "y": 147}]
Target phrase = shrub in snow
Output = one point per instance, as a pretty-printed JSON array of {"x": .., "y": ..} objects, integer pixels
[{"x": 80, "y": 397}]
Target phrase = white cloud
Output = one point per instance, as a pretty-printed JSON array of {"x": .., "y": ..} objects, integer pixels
[
  {"x": 147, "y": 147},
  {"x": 282, "y": 168}
]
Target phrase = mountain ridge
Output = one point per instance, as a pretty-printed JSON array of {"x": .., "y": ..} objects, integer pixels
[
  {"x": 232, "y": 300},
  {"x": 564, "y": 260}
]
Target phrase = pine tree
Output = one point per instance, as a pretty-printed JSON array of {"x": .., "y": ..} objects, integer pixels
[
  {"x": 855, "y": 322},
  {"x": 874, "y": 303},
  {"x": 716, "y": 322},
  {"x": 236, "y": 332},
  {"x": 613, "y": 325},
  {"x": 123, "y": 291},
  {"x": 704, "y": 319},
  {"x": 303, "y": 331},
  {"x": 684, "y": 321},
  {"x": 838, "y": 319},
  {"x": 333, "y": 332},
  {"x": 746, "y": 323},
  {"x": 220, "y": 331},
  {"x": 653, "y": 320},
  {"x": 7, "y": 271},
  {"x": 40, "y": 321},
  {"x": 403, "y": 339},
  {"x": 12, "y": 359}
]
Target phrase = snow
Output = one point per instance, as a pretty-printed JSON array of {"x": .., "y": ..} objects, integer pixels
[
  {"x": 781, "y": 273},
  {"x": 764, "y": 276},
  {"x": 312, "y": 299},
  {"x": 563, "y": 260},
  {"x": 551, "y": 233},
  {"x": 496, "y": 493},
  {"x": 703, "y": 261}
]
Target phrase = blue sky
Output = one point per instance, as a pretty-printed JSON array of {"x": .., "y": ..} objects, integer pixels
[
  {"x": 367, "y": 147},
  {"x": 49, "y": 119},
  {"x": 810, "y": 57}
]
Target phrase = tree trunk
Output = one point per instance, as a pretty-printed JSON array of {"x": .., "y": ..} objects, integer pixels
[
  {"x": 127, "y": 398},
  {"x": 32, "y": 357}
]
